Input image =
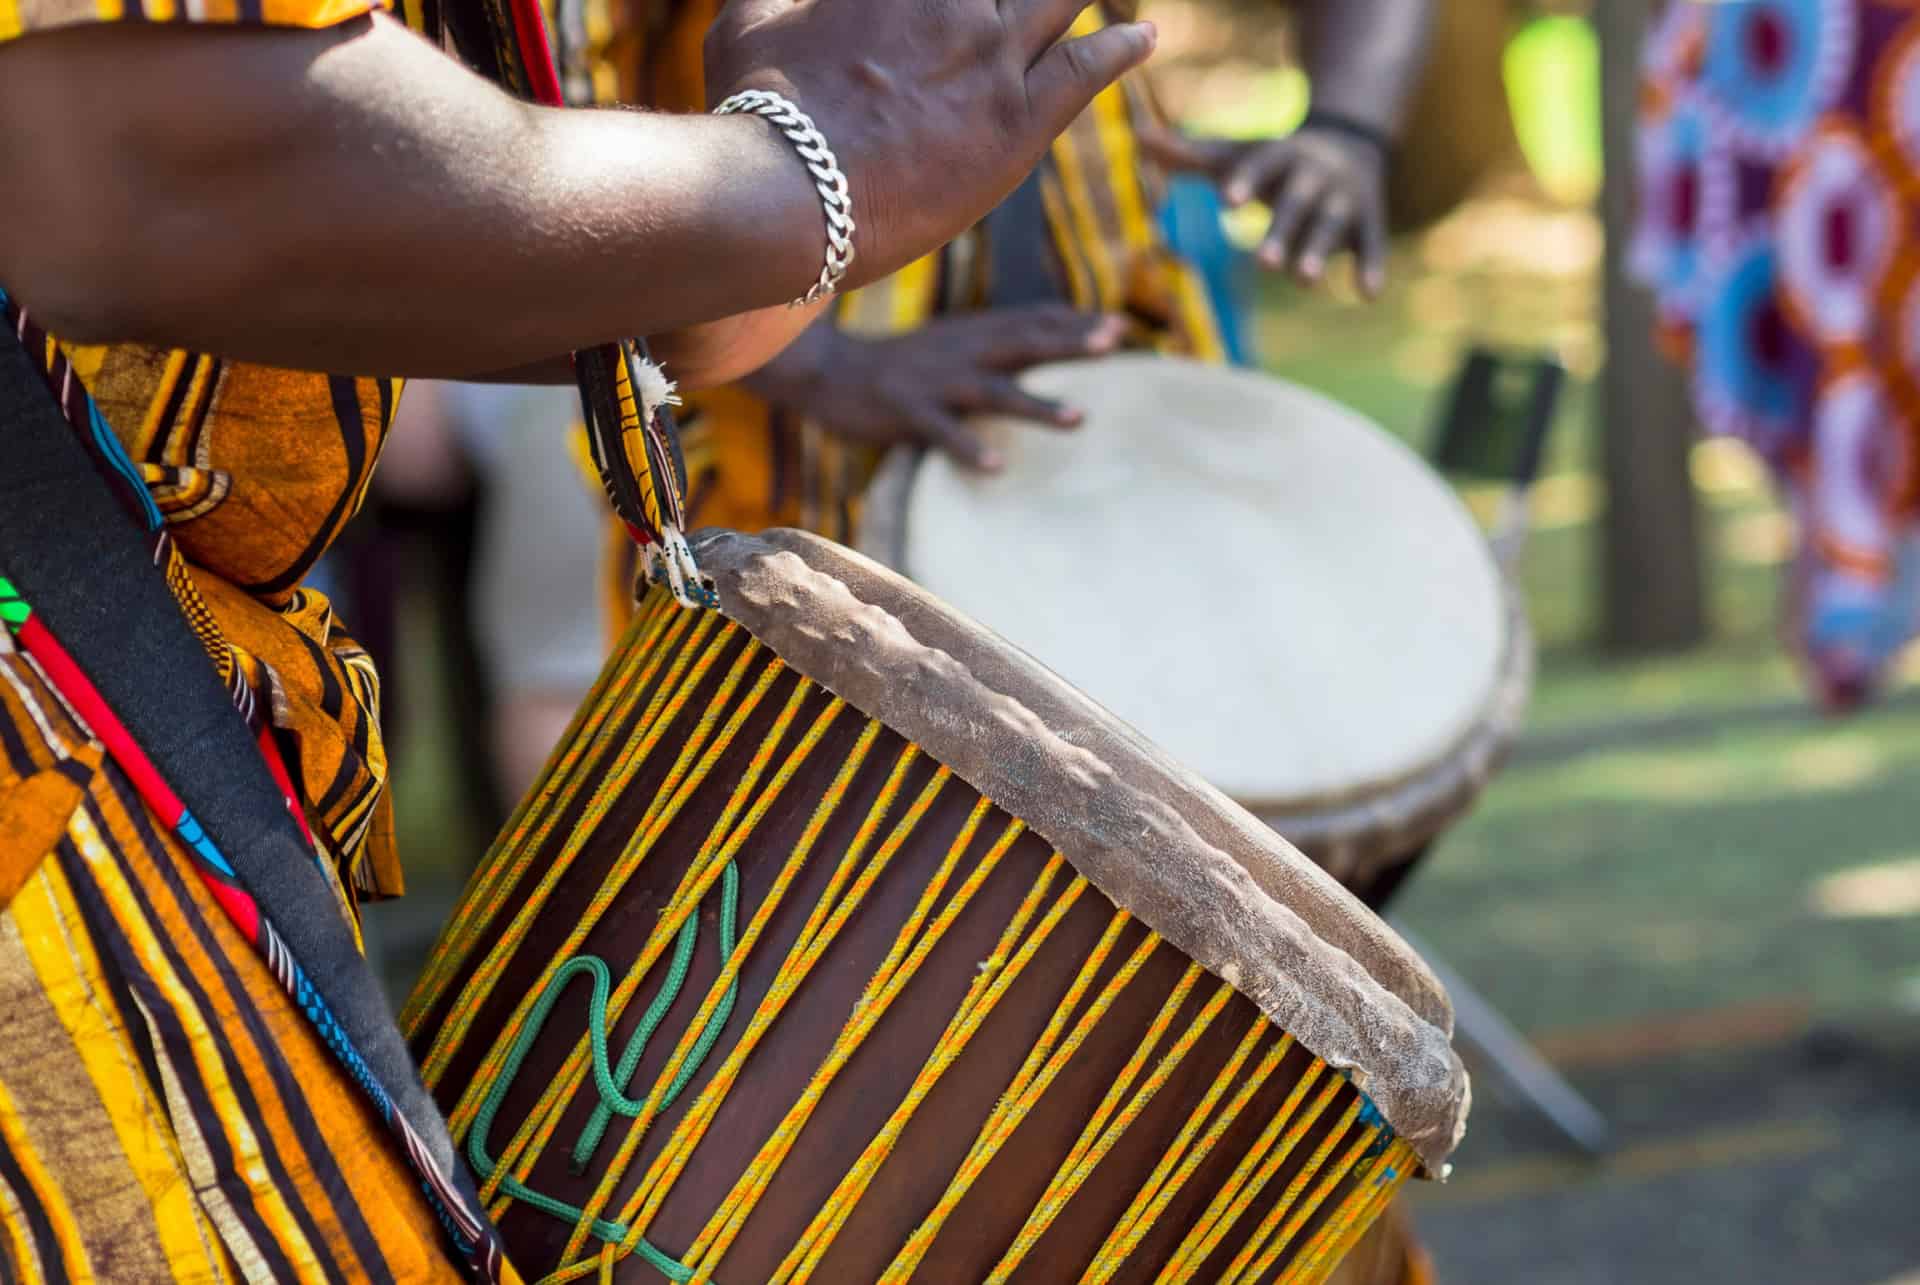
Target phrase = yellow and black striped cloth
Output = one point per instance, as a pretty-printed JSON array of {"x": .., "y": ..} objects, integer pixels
[{"x": 166, "y": 1111}]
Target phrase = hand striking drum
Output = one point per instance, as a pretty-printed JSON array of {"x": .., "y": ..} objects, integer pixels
[{"x": 841, "y": 941}]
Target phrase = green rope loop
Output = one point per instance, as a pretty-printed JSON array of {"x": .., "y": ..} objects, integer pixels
[{"x": 608, "y": 1081}]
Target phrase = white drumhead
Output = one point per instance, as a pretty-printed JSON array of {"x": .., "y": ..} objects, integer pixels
[{"x": 1281, "y": 595}]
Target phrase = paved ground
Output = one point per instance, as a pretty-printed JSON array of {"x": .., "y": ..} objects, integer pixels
[
  {"x": 1716, "y": 935},
  {"x": 1790, "y": 1162}
]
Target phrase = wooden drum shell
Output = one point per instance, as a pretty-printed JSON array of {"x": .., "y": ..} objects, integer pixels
[{"x": 456, "y": 1022}]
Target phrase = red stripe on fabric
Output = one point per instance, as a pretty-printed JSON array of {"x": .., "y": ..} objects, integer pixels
[
  {"x": 237, "y": 905},
  {"x": 277, "y": 768},
  {"x": 80, "y": 692},
  {"x": 543, "y": 79}
]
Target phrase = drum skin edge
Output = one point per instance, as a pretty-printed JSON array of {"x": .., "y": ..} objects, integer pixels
[{"x": 1128, "y": 818}]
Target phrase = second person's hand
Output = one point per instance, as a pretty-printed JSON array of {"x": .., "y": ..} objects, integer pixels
[{"x": 1326, "y": 189}]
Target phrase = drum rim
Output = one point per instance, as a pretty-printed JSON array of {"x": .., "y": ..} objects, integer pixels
[{"x": 1158, "y": 841}]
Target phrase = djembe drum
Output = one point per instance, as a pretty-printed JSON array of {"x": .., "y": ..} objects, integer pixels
[
  {"x": 841, "y": 941},
  {"x": 1360, "y": 666}
]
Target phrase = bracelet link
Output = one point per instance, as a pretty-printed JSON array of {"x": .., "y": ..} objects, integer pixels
[{"x": 828, "y": 180}]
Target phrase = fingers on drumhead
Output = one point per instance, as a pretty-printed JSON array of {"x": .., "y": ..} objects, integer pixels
[
  {"x": 1054, "y": 333},
  {"x": 1005, "y": 397},
  {"x": 941, "y": 429}
]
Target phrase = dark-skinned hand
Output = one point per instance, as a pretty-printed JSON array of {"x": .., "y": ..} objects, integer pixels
[
  {"x": 936, "y": 108},
  {"x": 920, "y": 386},
  {"x": 1326, "y": 188}
]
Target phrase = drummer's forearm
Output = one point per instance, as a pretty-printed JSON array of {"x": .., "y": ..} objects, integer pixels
[
  {"x": 353, "y": 200},
  {"x": 1363, "y": 57},
  {"x": 734, "y": 348}
]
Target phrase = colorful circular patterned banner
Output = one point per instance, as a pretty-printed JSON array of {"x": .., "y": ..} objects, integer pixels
[
  {"x": 1748, "y": 357},
  {"x": 1838, "y": 223},
  {"x": 1773, "y": 66}
]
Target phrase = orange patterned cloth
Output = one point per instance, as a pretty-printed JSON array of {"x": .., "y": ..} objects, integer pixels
[{"x": 256, "y": 471}]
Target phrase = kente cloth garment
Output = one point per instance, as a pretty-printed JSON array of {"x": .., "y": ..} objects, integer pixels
[
  {"x": 167, "y": 1111},
  {"x": 1092, "y": 214},
  {"x": 1779, "y": 158}
]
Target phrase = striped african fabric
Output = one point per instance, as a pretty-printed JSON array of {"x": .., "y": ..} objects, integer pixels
[
  {"x": 167, "y": 1110},
  {"x": 750, "y": 465}
]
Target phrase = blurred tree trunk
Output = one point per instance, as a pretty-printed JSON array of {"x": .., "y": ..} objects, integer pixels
[
  {"x": 1459, "y": 128},
  {"x": 1652, "y": 589}
]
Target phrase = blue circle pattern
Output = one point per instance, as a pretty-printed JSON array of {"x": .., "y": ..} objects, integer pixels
[
  {"x": 1728, "y": 360},
  {"x": 1778, "y": 102},
  {"x": 1685, "y": 144}
]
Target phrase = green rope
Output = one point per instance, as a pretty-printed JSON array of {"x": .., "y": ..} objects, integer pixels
[
  {"x": 611, "y": 1098},
  {"x": 607, "y": 1081}
]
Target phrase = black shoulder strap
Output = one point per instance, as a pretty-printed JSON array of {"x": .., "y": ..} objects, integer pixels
[{"x": 83, "y": 568}]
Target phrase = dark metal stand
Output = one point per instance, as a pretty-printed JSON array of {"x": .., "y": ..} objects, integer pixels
[
  {"x": 1481, "y": 435},
  {"x": 1521, "y": 1070}
]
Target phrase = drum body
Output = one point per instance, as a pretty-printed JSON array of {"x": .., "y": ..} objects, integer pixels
[
  {"x": 840, "y": 942},
  {"x": 1276, "y": 591}
]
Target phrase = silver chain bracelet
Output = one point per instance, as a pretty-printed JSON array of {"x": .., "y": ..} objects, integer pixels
[{"x": 828, "y": 180}]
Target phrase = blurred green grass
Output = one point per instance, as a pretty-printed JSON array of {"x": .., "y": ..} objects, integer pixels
[
  {"x": 1677, "y": 864},
  {"x": 1742, "y": 864}
]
